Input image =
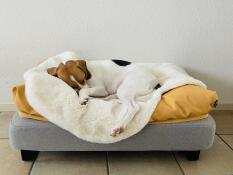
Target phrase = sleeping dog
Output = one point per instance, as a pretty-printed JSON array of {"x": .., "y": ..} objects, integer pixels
[{"x": 103, "y": 78}]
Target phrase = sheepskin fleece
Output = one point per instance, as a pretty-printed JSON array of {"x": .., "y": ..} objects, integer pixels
[{"x": 59, "y": 103}]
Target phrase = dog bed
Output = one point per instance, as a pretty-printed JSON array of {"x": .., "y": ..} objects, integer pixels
[
  {"x": 37, "y": 90},
  {"x": 184, "y": 103},
  {"x": 59, "y": 103},
  {"x": 31, "y": 136}
]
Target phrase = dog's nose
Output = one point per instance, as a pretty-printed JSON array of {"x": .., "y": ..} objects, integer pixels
[{"x": 157, "y": 86}]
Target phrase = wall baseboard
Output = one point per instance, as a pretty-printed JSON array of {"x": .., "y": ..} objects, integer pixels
[
  {"x": 225, "y": 106},
  {"x": 11, "y": 107},
  {"x": 7, "y": 107}
]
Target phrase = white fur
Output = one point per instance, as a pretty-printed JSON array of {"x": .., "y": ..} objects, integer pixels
[
  {"x": 127, "y": 82},
  {"x": 59, "y": 103}
]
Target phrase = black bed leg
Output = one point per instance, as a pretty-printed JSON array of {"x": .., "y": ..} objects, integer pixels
[
  {"x": 28, "y": 155},
  {"x": 192, "y": 155}
]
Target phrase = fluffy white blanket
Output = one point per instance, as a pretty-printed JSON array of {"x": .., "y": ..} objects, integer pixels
[{"x": 59, "y": 103}]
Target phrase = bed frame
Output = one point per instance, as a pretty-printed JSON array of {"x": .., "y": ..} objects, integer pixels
[{"x": 31, "y": 136}]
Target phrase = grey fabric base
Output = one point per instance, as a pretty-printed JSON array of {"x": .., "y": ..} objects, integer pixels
[{"x": 27, "y": 134}]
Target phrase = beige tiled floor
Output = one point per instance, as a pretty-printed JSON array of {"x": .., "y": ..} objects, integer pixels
[
  {"x": 4, "y": 123},
  {"x": 215, "y": 161},
  {"x": 218, "y": 160},
  {"x": 70, "y": 163},
  {"x": 146, "y": 163},
  {"x": 224, "y": 120},
  {"x": 228, "y": 139},
  {"x": 10, "y": 161}
]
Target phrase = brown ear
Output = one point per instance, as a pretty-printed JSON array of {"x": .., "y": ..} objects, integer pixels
[
  {"x": 76, "y": 71},
  {"x": 63, "y": 74},
  {"x": 88, "y": 75},
  {"x": 82, "y": 65},
  {"x": 52, "y": 71}
]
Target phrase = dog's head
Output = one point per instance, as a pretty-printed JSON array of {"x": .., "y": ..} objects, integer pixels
[
  {"x": 71, "y": 72},
  {"x": 78, "y": 69}
]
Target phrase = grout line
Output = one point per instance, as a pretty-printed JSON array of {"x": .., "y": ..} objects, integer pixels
[
  {"x": 225, "y": 142},
  {"x": 29, "y": 173},
  {"x": 107, "y": 163},
  {"x": 181, "y": 169}
]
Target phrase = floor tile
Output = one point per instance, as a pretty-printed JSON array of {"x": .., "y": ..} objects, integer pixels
[
  {"x": 228, "y": 139},
  {"x": 5, "y": 118},
  {"x": 70, "y": 163},
  {"x": 146, "y": 163},
  {"x": 218, "y": 160},
  {"x": 224, "y": 121},
  {"x": 10, "y": 161}
]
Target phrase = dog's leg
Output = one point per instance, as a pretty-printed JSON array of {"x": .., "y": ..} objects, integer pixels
[
  {"x": 131, "y": 109},
  {"x": 85, "y": 93},
  {"x": 127, "y": 98}
]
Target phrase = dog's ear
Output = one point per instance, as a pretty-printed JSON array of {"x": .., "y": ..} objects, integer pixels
[
  {"x": 76, "y": 71},
  {"x": 64, "y": 74},
  {"x": 52, "y": 71},
  {"x": 82, "y": 65}
]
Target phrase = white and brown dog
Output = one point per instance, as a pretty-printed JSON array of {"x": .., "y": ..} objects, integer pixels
[{"x": 103, "y": 78}]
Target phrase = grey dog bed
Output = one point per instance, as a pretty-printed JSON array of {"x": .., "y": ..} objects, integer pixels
[{"x": 31, "y": 136}]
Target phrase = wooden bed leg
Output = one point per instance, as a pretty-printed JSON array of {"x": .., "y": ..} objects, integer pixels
[
  {"x": 192, "y": 155},
  {"x": 29, "y": 155}
]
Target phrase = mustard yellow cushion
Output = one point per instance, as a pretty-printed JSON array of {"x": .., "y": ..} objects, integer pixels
[
  {"x": 185, "y": 103},
  {"x": 21, "y": 103}
]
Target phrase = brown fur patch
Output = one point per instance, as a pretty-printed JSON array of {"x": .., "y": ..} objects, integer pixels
[
  {"x": 82, "y": 65},
  {"x": 52, "y": 71},
  {"x": 72, "y": 68}
]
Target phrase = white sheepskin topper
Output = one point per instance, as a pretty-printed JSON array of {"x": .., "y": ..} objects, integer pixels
[{"x": 59, "y": 103}]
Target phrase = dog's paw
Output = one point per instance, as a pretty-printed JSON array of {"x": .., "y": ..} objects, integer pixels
[
  {"x": 83, "y": 101},
  {"x": 117, "y": 131}
]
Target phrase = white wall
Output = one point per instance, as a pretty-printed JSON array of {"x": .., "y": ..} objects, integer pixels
[{"x": 197, "y": 34}]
